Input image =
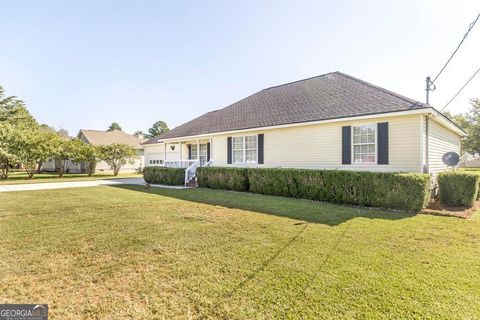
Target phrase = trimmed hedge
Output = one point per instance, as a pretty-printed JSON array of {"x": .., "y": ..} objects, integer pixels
[
  {"x": 404, "y": 191},
  {"x": 222, "y": 178},
  {"x": 458, "y": 188},
  {"x": 162, "y": 175}
]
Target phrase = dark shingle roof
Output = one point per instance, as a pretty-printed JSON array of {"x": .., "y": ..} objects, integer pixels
[{"x": 329, "y": 96}]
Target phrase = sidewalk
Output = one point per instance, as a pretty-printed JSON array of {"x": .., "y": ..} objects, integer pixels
[
  {"x": 81, "y": 184},
  {"x": 73, "y": 184}
]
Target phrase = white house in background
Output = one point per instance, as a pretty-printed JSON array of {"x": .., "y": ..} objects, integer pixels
[
  {"x": 468, "y": 160},
  {"x": 332, "y": 121},
  {"x": 96, "y": 138}
]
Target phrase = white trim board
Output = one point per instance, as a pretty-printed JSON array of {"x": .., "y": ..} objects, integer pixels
[{"x": 441, "y": 118}]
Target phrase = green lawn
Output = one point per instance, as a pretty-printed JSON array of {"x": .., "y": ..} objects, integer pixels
[
  {"x": 111, "y": 252},
  {"x": 20, "y": 177}
]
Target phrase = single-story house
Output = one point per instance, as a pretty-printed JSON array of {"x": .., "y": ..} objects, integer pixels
[
  {"x": 332, "y": 121},
  {"x": 96, "y": 138}
]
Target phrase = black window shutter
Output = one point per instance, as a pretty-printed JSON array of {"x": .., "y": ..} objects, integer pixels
[
  {"x": 208, "y": 151},
  {"x": 260, "y": 148},
  {"x": 382, "y": 138},
  {"x": 189, "y": 147},
  {"x": 347, "y": 145},
  {"x": 229, "y": 150}
]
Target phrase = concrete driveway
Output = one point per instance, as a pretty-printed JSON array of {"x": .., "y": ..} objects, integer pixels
[{"x": 73, "y": 184}]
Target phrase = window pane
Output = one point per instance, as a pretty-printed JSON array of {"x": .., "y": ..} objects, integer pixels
[
  {"x": 238, "y": 156},
  {"x": 251, "y": 142},
  {"x": 251, "y": 155},
  {"x": 371, "y": 130},
  {"x": 356, "y": 138},
  {"x": 364, "y": 139},
  {"x": 237, "y": 143},
  {"x": 371, "y": 138},
  {"x": 371, "y": 148}
]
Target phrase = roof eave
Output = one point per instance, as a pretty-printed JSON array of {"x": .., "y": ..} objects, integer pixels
[{"x": 424, "y": 110}]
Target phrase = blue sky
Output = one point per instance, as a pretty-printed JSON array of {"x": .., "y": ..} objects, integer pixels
[{"x": 85, "y": 64}]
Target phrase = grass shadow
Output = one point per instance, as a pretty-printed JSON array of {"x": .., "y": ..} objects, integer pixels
[{"x": 298, "y": 209}]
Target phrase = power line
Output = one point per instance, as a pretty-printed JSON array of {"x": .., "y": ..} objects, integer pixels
[
  {"x": 466, "y": 83},
  {"x": 470, "y": 27}
]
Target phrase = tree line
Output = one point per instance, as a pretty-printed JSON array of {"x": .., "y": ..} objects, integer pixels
[
  {"x": 25, "y": 142},
  {"x": 470, "y": 123},
  {"x": 158, "y": 128}
]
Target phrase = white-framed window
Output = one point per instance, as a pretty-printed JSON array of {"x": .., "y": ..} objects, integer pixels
[
  {"x": 194, "y": 152},
  {"x": 364, "y": 144},
  {"x": 245, "y": 149},
  {"x": 156, "y": 161}
]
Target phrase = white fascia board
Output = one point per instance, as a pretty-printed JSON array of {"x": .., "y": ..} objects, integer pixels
[
  {"x": 310, "y": 123},
  {"x": 440, "y": 118}
]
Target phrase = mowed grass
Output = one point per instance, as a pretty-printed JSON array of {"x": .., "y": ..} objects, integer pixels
[
  {"x": 111, "y": 252},
  {"x": 21, "y": 177}
]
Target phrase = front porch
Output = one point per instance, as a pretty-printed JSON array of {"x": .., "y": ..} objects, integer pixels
[
  {"x": 185, "y": 154},
  {"x": 182, "y": 154}
]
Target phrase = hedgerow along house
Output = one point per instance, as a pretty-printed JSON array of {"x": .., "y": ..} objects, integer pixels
[{"x": 332, "y": 121}]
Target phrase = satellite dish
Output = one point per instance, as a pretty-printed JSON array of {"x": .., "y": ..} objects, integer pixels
[{"x": 451, "y": 158}]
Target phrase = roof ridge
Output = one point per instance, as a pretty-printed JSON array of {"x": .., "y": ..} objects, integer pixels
[{"x": 415, "y": 102}]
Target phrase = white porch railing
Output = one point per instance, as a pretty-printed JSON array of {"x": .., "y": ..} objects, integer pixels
[
  {"x": 179, "y": 163},
  {"x": 189, "y": 165},
  {"x": 208, "y": 163},
  {"x": 190, "y": 171}
]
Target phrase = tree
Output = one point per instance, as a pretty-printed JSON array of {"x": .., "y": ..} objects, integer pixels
[
  {"x": 8, "y": 149},
  {"x": 114, "y": 126},
  {"x": 64, "y": 150},
  {"x": 34, "y": 147},
  {"x": 14, "y": 112},
  {"x": 117, "y": 155},
  {"x": 472, "y": 142},
  {"x": 86, "y": 154},
  {"x": 63, "y": 133},
  {"x": 157, "y": 129},
  {"x": 470, "y": 123},
  {"x": 139, "y": 133}
]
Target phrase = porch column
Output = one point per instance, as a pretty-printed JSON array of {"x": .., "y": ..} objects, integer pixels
[
  {"x": 211, "y": 148},
  {"x": 164, "y": 153},
  {"x": 198, "y": 149},
  {"x": 180, "y": 149}
]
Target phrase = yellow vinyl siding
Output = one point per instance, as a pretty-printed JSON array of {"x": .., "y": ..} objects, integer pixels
[
  {"x": 320, "y": 145},
  {"x": 440, "y": 141}
]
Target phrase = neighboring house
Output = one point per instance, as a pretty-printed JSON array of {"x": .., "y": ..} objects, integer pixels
[
  {"x": 332, "y": 121},
  {"x": 96, "y": 138},
  {"x": 468, "y": 160}
]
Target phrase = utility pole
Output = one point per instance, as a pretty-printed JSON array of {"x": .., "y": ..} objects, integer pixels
[{"x": 429, "y": 86}]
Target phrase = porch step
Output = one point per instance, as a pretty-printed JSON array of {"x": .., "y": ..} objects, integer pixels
[{"x": 192, "y": 183}]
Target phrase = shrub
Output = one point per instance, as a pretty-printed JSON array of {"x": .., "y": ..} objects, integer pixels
[
  {"x": 405, "y": 191},
  {"x": 161, "y": 175},
  {"x": 458, "y": 188},
  {"x": 223, "y": 178}
]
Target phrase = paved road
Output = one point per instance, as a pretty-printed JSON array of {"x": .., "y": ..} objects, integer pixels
[{"x": 71, "y": 184}]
